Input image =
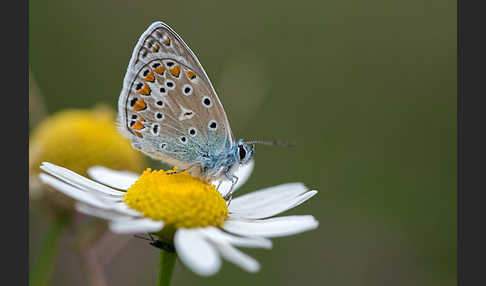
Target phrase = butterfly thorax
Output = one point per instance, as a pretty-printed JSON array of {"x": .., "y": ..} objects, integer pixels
[{"x": 223, "y": 165}]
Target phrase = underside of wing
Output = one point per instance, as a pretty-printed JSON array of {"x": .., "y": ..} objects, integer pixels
[{"x": 168, "y": 105}]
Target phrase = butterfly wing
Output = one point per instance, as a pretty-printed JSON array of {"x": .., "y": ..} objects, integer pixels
[{"x": 168, "y": 106}]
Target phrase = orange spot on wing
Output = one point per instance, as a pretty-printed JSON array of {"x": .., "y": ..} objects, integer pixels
[
  {"x": 160, "y": 69},
  {"x": 166, "y": 41},
  {"x": 150, "y": 77},
  {"x": 138, "y": 125},
  {"x": 138, "y": 134},
  {"x": 175, "y": 71},
  {"x": 139, "y": 105},
  {"x": 145, "y": 90},
  {"x": 156, "y": 48},
  {"x": 191, "y": 74}
]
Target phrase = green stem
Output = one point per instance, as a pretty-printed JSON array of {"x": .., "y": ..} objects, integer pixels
[
  {"x": 166, "y": 266},
  {"x": 42, "y": 268}
]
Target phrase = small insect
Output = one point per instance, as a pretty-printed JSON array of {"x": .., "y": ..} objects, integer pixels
[{"x": 171, "y": 112}]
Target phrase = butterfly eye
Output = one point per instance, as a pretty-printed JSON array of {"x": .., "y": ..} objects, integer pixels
[
  {"x": 241, "y": 152},
  {"x": 183, "y": 139},
  {"x": 206, "y": 101},
  {"x": 163, "y": 146},
  {"x": 213, "y": 125},
  {"x": 156, "y": 65},
  {"x": 159, "y": 116},
  {"x": 170, "y": 64},
  {"x": 160, "y": 103},
  {"x": 192, "y": 131}
]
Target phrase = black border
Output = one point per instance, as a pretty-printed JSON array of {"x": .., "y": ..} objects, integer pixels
[
  {"x": 15, "y": 149},
  {"x": 471, "y": 143}
]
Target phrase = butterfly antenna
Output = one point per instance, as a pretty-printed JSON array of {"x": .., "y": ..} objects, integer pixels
[{"x": 276, "y": 143}]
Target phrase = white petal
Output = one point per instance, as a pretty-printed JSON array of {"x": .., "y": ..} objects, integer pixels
[
  {"x": 273, "y": 227},
  {"x": 116, "y": 179},
  {"x": 76, "y": 179},
  {"x": 262, "y": 197},
  {"x": 196, "y": 253},
  {"x": 219, "y": 236},
  {"x": 272, "y": 208},
  {"x": 123, "y": 208},
  {"x": 239, "y": 258},
  {"x": 102, "y": 213},
  {"x": 243, "y": 173},
  {"x": 136, "y": 226},
  {"x": 88, "y": 197},
  {"x": 72, "y": 192}
]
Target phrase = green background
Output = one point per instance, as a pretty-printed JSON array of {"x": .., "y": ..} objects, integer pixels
[{"x": 366, "y": 88}]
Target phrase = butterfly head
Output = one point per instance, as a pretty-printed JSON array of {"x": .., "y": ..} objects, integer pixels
[{"x": 244, "y": 152}]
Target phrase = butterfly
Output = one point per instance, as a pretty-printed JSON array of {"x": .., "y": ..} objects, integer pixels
[{"x": 170, "y": 110}]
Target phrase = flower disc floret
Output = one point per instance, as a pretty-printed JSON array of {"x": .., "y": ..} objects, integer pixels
[
  {"x": 178, "y": 199},
  {"x": 80, "y": 139}
]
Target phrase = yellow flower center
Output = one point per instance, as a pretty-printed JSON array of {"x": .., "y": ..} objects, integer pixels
[
  {"x": 179, "y": 200},
  {"x": 80, "y": 139}
]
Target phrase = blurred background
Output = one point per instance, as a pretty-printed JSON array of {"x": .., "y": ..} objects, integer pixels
[{"x": 366, "y": 88}]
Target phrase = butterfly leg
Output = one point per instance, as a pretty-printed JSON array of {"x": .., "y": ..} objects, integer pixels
[
  {"x": 181, "y": 170},
  {"x": 219, "y": 185},
  {"x": 177, "y": 172},
  {"x": 234, "y": 180}
]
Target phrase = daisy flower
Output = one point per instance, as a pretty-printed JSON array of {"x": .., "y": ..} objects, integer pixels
[{"x": 187, "y": 213}]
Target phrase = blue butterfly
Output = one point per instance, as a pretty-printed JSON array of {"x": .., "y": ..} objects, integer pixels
[{"x": 171, "y": 112}]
